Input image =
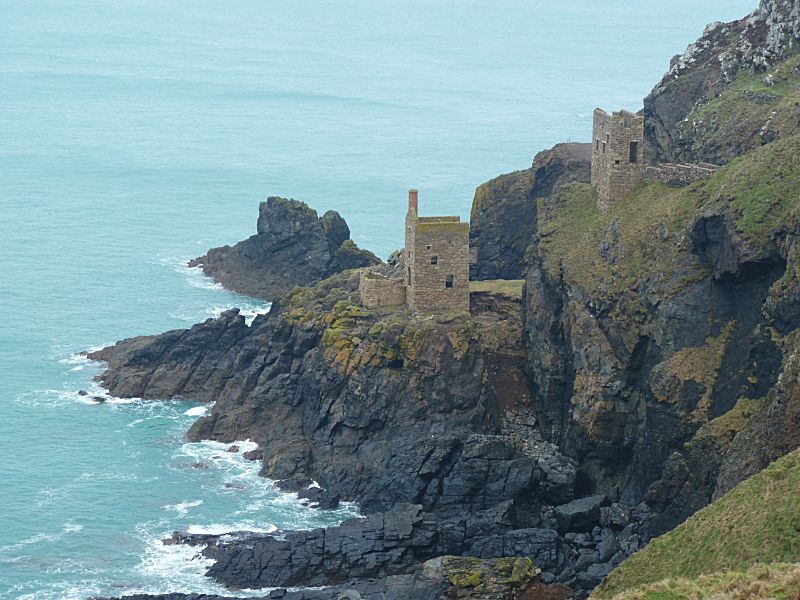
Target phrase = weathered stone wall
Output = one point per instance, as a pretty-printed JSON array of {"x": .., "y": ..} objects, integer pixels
[
  {"x": 676, "y": 175},
  {"x": 411, "y": 228},
  {"x": 617, "y": 166},
  {"x": 446, "y": 239},
  {"x": 377, "y": 290}
]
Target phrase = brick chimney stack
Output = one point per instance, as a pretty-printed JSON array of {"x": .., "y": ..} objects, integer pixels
[{"x": 413, "y": 201}]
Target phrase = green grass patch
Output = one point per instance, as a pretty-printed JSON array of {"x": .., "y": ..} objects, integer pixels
[
  {"x": 645, "y": 238},
  {"x": 760, "y": 189},
  {"x": 756, "y": 522},
  {"x": 511, "y": 288},
  {"x": 780, "y": 581}
]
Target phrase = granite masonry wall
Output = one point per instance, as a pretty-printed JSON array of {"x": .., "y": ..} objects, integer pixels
[{"x": 378, "y": 290}]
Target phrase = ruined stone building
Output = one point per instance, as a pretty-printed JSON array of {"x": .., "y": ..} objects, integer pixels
[
  {"x": 617, "y": 155},
  {"x": 436, "y": 261},
  {"x": 618, "y": 159},
  {"x": 436, "y": 267}
]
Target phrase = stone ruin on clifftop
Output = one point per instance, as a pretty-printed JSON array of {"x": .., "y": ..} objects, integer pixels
[
  {"x": 436, "y": 267},
  {"x": 618, "y": 165}
]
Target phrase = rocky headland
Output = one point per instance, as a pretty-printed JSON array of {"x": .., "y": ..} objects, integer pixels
[
  {"x": 649, "y": 368},
  {"x": 292, "y": 247}
]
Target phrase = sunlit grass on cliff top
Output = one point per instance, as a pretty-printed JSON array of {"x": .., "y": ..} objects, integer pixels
[{"x": 756, "y": 522}]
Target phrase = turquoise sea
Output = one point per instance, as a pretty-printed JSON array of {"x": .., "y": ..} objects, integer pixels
[{"x": 136, "y": 134}]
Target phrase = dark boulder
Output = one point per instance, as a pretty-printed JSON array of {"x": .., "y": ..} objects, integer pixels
[{"x": 581, "y": 514}]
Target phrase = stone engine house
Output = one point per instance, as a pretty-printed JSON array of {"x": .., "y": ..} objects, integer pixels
[
  {"x": 618, "y": 159},
  {"x": 436, "y": 261},
  {"x": 617, "y": 155},
  {"x": 436, "y": 267}
]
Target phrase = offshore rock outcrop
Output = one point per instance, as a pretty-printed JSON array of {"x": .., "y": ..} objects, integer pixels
[
  {"x": 503, "y": 217},
  {"x": 292, "y": 247},
  {"x": 731, "y": 90}
]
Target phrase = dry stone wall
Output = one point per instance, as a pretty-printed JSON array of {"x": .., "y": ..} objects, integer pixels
[
  {"x": 676, "y": 175},
  {"x": 378, "y": 290}
]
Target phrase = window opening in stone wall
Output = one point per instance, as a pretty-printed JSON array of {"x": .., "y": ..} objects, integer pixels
[
  {"x": 448, "y": 281},
  {"x": 604, "y": 147},
  {"x": 434, "y": 260},
  {"x": 428, "y": 247},
  {"x": 634, "y": 158},
  {"x": 409, "y": 274}
]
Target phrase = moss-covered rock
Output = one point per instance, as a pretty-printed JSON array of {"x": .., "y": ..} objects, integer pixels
[
  {"x": 482, "y": 579},
  {"x": 648, "y": 321}
]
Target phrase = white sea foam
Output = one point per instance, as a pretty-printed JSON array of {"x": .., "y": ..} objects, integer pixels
[
  {"x": 182, "y": 508},
  {"x": 69, "y": 355},
  {"x": 179, "y": 568},
  {"x": 194, "y": 275},
  {"x": 222, "y": 529},
  {"x": 91, "y": 393},
  {"x": 66, "y": 529},
  {"x": 197, "y": 411}
]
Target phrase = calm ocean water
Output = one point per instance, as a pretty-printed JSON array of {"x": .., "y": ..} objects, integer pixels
[{"x": 134, "y": 135}]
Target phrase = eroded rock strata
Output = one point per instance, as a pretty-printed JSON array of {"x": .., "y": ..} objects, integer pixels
[{"x": 292, "y": 247}]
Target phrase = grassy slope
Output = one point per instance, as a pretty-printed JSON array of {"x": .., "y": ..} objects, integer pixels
[
  {"x": 758, "y": 190},
  {"x": 757, "y": 522},
  {"x": 511, "y": 288},
  {"x": 779, "y": 581}
]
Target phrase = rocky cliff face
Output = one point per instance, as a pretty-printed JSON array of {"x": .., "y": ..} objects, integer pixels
[
  {"x": 659, "y": 335},
  {"x": 292, "y": 247},
  {"x": 431, "y": 418},
  {"x": 732, "y": 90},
  {"x": 654, "y": 357},
  {"x": 503, "y": 218}
]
